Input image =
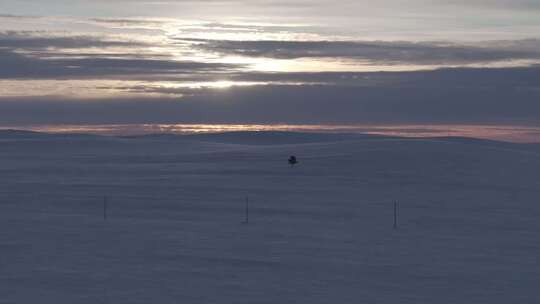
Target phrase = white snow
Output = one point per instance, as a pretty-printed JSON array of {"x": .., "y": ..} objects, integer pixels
[{"x": 321, "y": 232}]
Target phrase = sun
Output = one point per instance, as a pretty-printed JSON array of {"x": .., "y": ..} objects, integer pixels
[{"x": 221, "y": 84}]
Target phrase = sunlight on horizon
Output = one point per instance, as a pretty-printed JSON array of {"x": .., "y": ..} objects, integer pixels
[{"x": 509, "y": 133}]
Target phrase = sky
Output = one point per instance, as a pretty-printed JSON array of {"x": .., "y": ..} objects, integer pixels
[{"x": 269, "y": 62}]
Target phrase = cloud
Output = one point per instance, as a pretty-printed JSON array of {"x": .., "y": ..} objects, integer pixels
[
  {"x": 10, "y": 16},
  {"x": 389, "y": 18},
  {"x": 447, "y": 96},
  {"x": 512, "y": 4},
  {"x": 425, "y": 53},
  {"x": 131, "y": 23},
  {"x": 39, "y": 40},
  {"x": 448, "y": 77},
  {"x": 13, "y": 65},
  {"x": 503, "y": 4},
  {"x": 31, "y": 55}
]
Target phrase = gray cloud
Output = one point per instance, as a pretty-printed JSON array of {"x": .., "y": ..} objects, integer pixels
[
  {"x": 10, "y": 16},
  {"x": 397, "y": 18},
  {"x": 522, "y": 4},
  {"x": 129, "y": 22},
  {"x": 13, "y": 65},
  {"x": 449, "y": 77},
  {"x": 28, "y": 55},
  {"x": 505, "y": 4},
  {"x": 41, "y": 40},
  {"x": 446, "y": 96},
  {"x": 378, "y": 51}
]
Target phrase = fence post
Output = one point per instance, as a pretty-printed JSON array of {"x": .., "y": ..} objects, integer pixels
[
  {"x": 105, "y": 203},
  {"x": 247, "y": 210},
  {"x": 395, "y": 215}
]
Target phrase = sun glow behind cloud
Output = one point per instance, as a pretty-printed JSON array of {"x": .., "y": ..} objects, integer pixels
[
  {"x": 97, "y": 89},
  {"x": 109, "y": 57},
  {"x": 510, "y": 133}
]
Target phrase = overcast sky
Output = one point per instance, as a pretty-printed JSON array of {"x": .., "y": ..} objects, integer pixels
[{"x": 269, "y": 61}]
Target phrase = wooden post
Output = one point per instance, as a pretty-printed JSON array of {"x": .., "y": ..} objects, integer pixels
[
  {"x": 395, "y": 215},
  {"x": 247, "y": 210},
  {"x": 105, "y": 208}
]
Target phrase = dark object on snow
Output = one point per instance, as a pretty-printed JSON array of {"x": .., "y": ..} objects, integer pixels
[{"x": 293, "y": 161}]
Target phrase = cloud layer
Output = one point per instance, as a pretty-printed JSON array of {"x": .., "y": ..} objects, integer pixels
[
  {"x": 446, "y": 96},
  {"x": 380, "y": 52},
  {"x": 164, "y": 70},
  {"x": 35, "y": 55}
]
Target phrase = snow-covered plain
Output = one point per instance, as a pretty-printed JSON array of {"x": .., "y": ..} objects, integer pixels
[{"x": 321, "y": 232}]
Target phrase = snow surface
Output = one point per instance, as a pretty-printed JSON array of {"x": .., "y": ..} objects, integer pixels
[{"x": 321, "y": 232}]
